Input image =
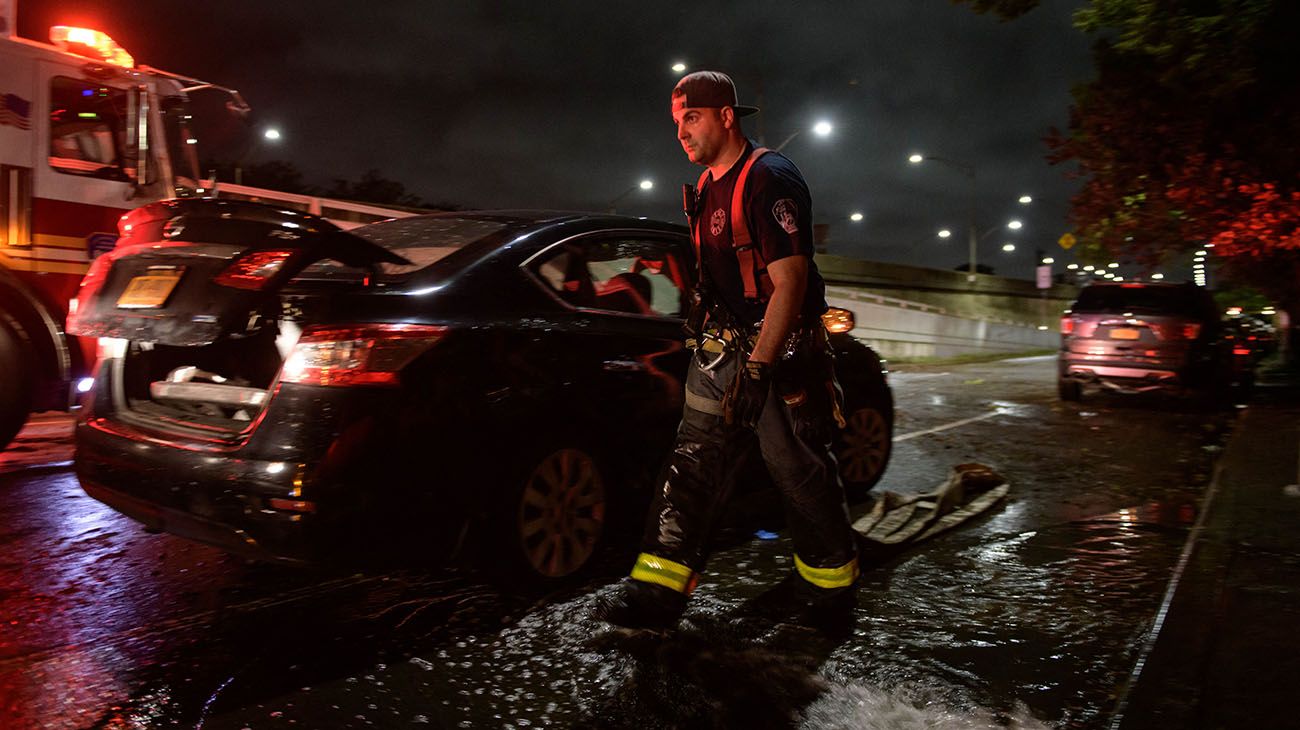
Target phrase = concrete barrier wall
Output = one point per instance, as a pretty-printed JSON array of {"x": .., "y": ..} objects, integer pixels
[{"x": 914, "y": 312}]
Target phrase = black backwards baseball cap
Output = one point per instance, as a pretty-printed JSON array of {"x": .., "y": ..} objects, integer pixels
[{"x": 708, "y": 89}]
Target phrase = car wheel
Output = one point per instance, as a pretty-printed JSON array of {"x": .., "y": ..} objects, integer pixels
[
  {"x": 15, "y": 386},
  {"x": 557, "y": 519},
  {"x": 1070, "y": 390},
  {"x": 863, "y": 447}
]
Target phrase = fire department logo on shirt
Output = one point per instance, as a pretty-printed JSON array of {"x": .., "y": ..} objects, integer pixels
[
  {"x": 786, "y": 214},
  {"x": 717, "y": 222}
]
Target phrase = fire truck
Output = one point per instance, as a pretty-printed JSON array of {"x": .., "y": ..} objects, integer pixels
[{"x": 87, "y": 135}]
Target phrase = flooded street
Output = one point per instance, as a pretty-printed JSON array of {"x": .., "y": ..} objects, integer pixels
[{"x": 1032, "y": 615}]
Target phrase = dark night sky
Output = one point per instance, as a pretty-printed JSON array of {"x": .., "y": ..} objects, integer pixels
[{"x": 565, "y": 104}]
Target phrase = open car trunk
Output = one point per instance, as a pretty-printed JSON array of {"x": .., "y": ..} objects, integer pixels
[{"x": 193, "y": 300}]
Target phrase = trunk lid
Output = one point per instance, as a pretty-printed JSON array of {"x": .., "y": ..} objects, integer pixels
[{"x": 191, "y": 272}]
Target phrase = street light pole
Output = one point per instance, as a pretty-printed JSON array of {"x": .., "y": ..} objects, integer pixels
[
  {"x": 821, "y": 129},
  {"x": 643, "y": 185},
  {"x": 969, "y": 172}
]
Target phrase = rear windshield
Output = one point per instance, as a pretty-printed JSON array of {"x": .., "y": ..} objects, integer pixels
[
  {"x": 1164, "y": 299},
  {"x": 423, "y": 241}
]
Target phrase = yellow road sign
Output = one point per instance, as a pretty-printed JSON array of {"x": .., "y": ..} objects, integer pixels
[{"x": 1067, "y": 240}]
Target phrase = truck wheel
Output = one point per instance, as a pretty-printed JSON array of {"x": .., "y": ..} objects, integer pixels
[{"x": 16, "y": 384}]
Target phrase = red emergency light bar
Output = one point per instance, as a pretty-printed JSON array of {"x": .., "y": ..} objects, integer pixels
[{"x": 91, "y": 44}]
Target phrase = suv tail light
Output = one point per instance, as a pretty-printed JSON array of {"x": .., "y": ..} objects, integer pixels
[
  {"x": 254, "y": 270},
  {"x": 370, "y": 354}
]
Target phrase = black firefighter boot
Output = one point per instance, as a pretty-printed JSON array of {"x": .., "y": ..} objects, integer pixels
[
  {"x": 795, "y": 600},
  {"x": 636, "y": 604}
]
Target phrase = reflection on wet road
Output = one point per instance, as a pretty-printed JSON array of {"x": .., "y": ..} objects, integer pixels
[{"x": 1030, "y": 617}]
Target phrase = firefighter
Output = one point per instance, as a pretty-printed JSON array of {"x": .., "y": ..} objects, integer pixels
[{"x": 761, "y": 381}]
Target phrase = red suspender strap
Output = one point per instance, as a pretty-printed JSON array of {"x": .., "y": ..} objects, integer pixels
[
  {"x": 695, "y": 226},
  {"x": 752, "y": 268}
]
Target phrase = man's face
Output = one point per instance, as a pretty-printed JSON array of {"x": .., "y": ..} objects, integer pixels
[{"x": 702, "y": 132}]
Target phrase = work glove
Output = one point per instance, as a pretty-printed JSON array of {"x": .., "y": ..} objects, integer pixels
[{"x": 743, "y": 403}]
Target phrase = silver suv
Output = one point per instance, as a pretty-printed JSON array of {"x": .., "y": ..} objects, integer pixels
[{"x": 1139, "y": 336}]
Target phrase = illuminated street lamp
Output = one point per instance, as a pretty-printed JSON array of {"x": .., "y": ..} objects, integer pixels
[
  {"x": 679, "y": 67},
  {"x": 646, "y": 184},
  {"x": 973, "y": 234},
  {"x": 270, "y": 134},
  {"x": 822, "y": 128},
  {"x": 855, "y": 217},
  {"x": 945, "y": 233},
  {"x": 1008, "y": 247}
]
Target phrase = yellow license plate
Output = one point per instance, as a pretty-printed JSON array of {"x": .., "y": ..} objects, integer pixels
[
  {"x": 149, "y": 291},
  {"x": 1125, "y": 334}
]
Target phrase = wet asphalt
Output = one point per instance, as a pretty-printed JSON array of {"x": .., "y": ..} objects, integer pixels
[{"x": 1029, "y": 616}]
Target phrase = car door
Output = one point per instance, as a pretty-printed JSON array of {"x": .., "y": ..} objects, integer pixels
[{"x": 626, "y": 293}]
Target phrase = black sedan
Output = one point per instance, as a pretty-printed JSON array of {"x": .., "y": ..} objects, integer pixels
[{"x": 289, "y": 391}]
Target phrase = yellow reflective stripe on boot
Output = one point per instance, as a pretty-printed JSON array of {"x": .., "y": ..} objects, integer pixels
[
  {"x": 828, "y": 577},
  {"x": 661, "y": 571}
]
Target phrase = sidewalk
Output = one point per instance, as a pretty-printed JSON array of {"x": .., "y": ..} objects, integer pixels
[{"x": 1227, "y": 654}]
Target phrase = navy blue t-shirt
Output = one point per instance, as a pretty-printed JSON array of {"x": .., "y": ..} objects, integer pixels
[{"x": 779, "y": 213}]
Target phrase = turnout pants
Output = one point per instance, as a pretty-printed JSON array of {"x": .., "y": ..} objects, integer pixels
[{"x": 793, "y": 438}]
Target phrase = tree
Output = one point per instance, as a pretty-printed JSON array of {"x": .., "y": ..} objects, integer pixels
[
  {"x": 1188, "y": 135},
  {"x": 374, "y": 188}
]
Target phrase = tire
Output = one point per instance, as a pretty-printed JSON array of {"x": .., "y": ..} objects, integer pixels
[
  {"x": 1069, "y": 390},
  {"x": 554, "y": 521},
  {"x": 16, "y": 384},
  {"x": 864, "y": 445}
]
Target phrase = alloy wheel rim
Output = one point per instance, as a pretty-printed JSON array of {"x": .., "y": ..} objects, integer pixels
[
  {"x": 562, "y": 513},
  {"x": 866, "y": 445}
]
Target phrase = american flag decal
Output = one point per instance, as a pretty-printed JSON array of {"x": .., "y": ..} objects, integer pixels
[{"x": 15, "y": 111}]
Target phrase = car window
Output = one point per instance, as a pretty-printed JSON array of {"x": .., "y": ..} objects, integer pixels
[
  {"x": 425, "y": 240},
  {"x": 87, "y": 129},
  {"x": 634, "y": 276}
]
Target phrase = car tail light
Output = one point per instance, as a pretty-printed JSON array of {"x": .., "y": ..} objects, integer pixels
[
  {"x": 371, "y": 354},
  {"x": 1191, "y": 330},
  {"x": 254, "y": 270},
  {"x": 1067, "y": 325}
]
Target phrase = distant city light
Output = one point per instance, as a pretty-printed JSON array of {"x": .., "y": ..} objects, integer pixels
[
  {"x": 1072, "y": 267},
  {"x": 1049, "y": 260},
  {"x": 679, "y": 67},
  {"x": 1089, "y": 267},
  {"x": 1015, "y": 225},
  {"x": 944, "y": 233},
  {"x": 1008, "y": 247},
  {"x": 1157, "y": 276},
  {"x": 855, "y": 217},
  {"x": 1026, "y": 199},
  {"x": 915, "y": 158},
  {"x": 1112, "y": 265}
]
